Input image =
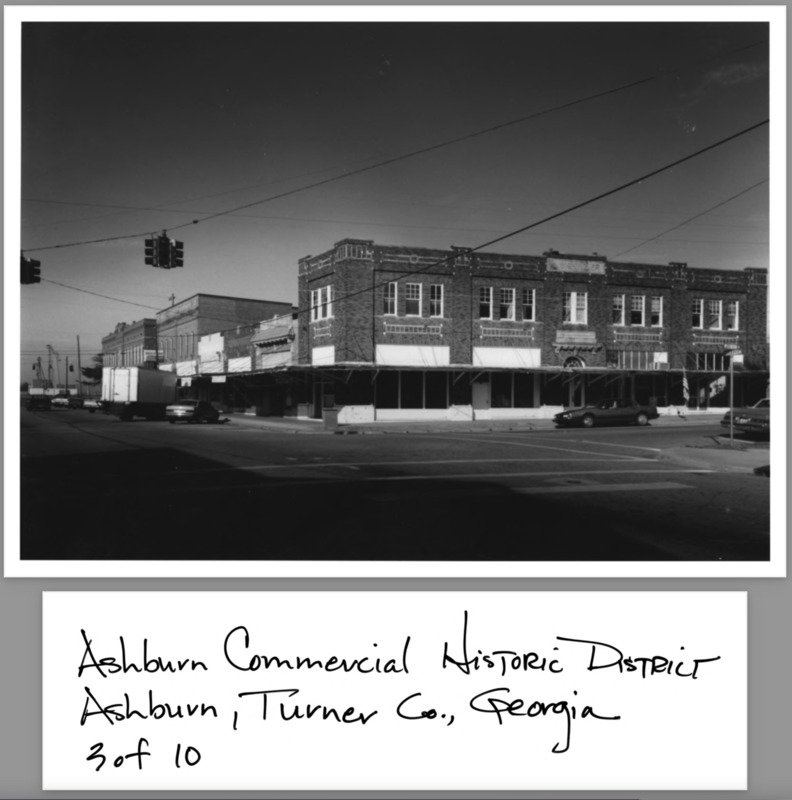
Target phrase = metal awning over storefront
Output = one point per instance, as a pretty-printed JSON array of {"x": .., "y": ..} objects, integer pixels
[{"x": 278, "y": 334}]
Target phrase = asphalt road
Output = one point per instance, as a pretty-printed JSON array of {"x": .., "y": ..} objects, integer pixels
[{"x": 149, "y": 490}]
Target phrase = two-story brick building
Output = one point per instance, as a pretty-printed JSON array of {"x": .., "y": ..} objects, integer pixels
[
  {"x": 395, "y": 332},
  {"x": 180, "y": 327},
  {"x": 131, "y": 344}
]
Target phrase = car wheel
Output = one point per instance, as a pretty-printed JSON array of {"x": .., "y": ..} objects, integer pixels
[
  {"x": 641, "y": 418},
  {"x": 587, "y": 421},
  {"x": 172, "y": 421}
]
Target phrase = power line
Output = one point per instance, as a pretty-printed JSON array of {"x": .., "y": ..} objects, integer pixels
[
  {"x": 410, "y": 154},
  {"x": 695, "y": 216},
  {"x": 394, "y": 159},
  {"x": 360, "y": 170},
  {"x": 513, "y": 233},
  {"x": 556, "y": 215},
  {"x": 96, "y": 294}
]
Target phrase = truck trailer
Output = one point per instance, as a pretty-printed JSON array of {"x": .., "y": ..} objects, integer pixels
[{"x": 130, "y": 392}]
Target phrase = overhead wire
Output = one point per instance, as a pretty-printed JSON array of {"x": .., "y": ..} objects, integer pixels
[
  {"x": 695, "y": 216},
  {"x": 402, "y": 156},
  {"x": 556, "y": 215},
  {"x": 515, "y": 232},
  {"x": 358, "y": 171},
  {"x": 97, "y": 294}
]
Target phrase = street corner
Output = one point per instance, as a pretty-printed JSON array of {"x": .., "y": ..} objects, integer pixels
[{"x": 720, "y": 458}]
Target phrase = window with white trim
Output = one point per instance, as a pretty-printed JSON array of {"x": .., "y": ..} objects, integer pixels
[
  {"x": 714, "y": 319},
  {"x": 412, "y": 299},
  {"x": 321, "y": 303},
  {"x": 637, "y": 305},
  {"x": 575, "y": 308},
  {"x": 617, "y": 310},
  {"x": 389, "y": 306},
  {"x": 698, "y": 313},
  {"x": 732, "y": 315},
  {"x": 529, "y": 304},
  {"x": 656, "y": 312},
  {"x": 507, "y": 310},
  {"x": 436, "y": 300},
  {"x": 485, "y": 302}
]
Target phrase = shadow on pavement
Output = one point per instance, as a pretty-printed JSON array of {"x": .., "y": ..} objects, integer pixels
[{"x": 165, "y": 504}]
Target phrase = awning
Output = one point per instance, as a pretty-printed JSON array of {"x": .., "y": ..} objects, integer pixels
[{"x": 277, "y": 334}]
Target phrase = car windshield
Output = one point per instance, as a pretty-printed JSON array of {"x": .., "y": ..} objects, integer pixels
[{"x": 763, "y": 404}]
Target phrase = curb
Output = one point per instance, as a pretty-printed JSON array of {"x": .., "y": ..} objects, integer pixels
[{"x": 715, "y": 463}]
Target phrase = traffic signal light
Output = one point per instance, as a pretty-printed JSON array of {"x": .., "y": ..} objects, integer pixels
[
  {"x": 151, "y": 253},
  {"x": 163, "y": 251},
  {"x": 30, "y": 270},
  {"x": 176, "y": 254}
]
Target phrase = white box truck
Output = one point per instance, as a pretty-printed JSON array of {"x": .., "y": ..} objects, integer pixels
[{"x": 131, "y": 392}]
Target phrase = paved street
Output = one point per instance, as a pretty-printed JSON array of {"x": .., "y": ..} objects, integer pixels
[{"x": 149, "y": 490}]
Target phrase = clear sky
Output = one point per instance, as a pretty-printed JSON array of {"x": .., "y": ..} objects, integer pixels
[{"x": 129, "y": 128}]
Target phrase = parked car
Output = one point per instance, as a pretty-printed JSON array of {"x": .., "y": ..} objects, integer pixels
[
  {"x": 60, "y": 402},
  {"x": 607, "y": 412},
  {"x": 75, "y": 401},
  {"x": 192, "y": 411},
  {"x": 38, "y": 402},
  {"x": 92, "y": 404},
  {"x": 754, "y": 420}
]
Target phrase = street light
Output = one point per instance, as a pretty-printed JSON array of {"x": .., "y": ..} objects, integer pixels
[{"x": 735, "y": 356}]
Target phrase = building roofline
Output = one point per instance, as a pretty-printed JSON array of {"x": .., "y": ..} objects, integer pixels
[{"x": 227, "y": 297}]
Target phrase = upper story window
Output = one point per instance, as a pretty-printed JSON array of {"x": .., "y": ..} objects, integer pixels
[
  {"x": 698, "y": 313},
  {"x": 529, "y": 304},
  {"x": 412, "y": 299},
  {"x": 485, "y": 302},
  {"x": 575, "y": 307},
  {"x": 656, "y": 312},
  {"x": 389, "y": 306},
  {"x": 617, "y": 312},
  {"x": 714, "y": 315},
  {"x": 321, "y": 303},
  {"x": 507, "y": 310},
  {"x": 637, "y": 304},
  {"x": 436, "y": 300},
  {"x": 732, "y": 315}
]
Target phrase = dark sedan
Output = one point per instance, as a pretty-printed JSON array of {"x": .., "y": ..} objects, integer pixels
[
  {"x": 192, "y": 411},
  {"x": 754, "y": 420},
  {"x": 607, "y": 412},
  {"x": 38, "y": 402}
]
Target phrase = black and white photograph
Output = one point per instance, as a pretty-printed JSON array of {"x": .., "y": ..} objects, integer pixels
[{"x": 396, "y": 293}]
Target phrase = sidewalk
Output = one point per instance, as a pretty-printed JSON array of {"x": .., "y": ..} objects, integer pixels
[
  {"x": 745, "y": 457},
  {"x": 317, "y": 426},
  {"x": 753, "y": 458}
]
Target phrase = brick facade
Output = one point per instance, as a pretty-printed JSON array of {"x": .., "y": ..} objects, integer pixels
[
  {"x": 359, "y": 271},
  {"x": 130, "y": 344},
  {"x": 180, "y": 326}
]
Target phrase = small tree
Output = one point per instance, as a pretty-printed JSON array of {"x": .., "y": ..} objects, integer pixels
[{"x": 93, "y": 375}]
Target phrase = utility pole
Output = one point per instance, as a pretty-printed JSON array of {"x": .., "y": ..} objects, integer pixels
[{"x": 79, "y": 368}]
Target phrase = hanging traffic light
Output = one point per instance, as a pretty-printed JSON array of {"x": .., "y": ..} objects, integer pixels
[
  {"x": 164, "y": 251},
  {"x": 176, "y": 254},
  {"x": 29, "y": 270},
  {"x": 151, "y": 253}
]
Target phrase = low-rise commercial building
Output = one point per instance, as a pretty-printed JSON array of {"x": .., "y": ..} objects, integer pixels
[{"x": 394, "y": 332}]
